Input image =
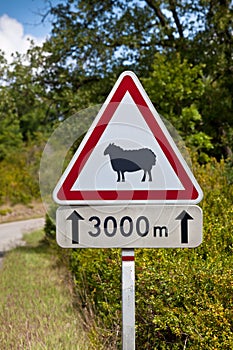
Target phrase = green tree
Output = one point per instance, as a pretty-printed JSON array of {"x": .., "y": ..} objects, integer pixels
[
  {"x": 22, "y": 122},
  {"x": 213, "y": 46},
  {"x": 34, "y": 108},
  {"x": 175, "y": 87},
  {"x": 10, "y": 133},
  {"x": 92, "y": 42}
]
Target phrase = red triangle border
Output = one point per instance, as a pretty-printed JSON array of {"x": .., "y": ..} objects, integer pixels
[{"x": 190, "y": 192}]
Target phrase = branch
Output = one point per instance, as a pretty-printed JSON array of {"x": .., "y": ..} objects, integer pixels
[
  {"x": 160, "y": 16},
  {"x": 176, "y": 18},
  {"x": 158, "y": 12}
]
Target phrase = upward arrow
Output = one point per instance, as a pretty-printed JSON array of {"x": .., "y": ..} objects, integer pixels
[
  {"x": 75, "y": 217},
  {"x": 184, "y": 217}
]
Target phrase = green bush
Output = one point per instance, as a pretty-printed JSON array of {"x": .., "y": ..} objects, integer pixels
[
  {"x": 183, "y": 296},
  {"x": 98, "y": 281},
  {"x": 19, "y": 175},
  {"x": 49, "y": 228},
  {"x": 18, "y": 184}
]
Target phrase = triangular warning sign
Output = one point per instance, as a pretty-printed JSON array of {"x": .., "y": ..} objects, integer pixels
[{"x": 127, "y": 156}]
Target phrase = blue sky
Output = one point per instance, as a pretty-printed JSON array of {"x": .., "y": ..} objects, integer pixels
[
  {"x": 21, "y": 20},
  {"x": 27, "y": 12}
]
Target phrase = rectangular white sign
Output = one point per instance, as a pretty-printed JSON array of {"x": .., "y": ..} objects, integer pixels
[{"x": 134, "y": 226}]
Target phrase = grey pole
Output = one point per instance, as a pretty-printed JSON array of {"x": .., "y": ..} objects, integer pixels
[{"x": 128, "y": 299}]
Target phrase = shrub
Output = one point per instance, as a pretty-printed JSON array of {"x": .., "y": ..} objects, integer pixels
[
  {"x": 19, "y": 172},
  {"x": 183, "y": 296}
]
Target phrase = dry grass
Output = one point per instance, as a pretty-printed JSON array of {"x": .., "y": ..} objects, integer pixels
[
  {"x": 36, "y": 301},
  {"x": 9, "y": 212}
]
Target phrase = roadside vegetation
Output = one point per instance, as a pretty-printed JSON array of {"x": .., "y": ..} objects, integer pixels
[
  {"x": 37, "y": 300},
  {"x": 182, "y": 53},
  {"x": 184, "y": 297}
]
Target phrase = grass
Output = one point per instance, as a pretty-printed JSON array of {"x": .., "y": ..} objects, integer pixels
[{"x": 36, "y": 301}]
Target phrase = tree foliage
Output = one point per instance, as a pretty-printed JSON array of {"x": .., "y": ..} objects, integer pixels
[
  {"x": 23, "y": 128},
  {"x": 181, "y": 51},
  {"x": 175, "y": 89},
  {"x": 91, "y": 43}
]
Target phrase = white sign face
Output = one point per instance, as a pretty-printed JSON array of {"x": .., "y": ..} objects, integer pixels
[
  {"x": 131, "y": 132},
  {"x": 135, "y": 226},
  {"x": 127, "y": 156}
]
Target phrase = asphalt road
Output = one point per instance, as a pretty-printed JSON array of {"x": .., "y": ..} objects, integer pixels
[{"x": 11, "y": 233}]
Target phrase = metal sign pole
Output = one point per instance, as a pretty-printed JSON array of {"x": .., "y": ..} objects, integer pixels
[{"x": 128, "y": 299}]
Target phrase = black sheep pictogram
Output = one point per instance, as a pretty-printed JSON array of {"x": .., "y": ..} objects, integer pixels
[{"x": 130, "y": 160}]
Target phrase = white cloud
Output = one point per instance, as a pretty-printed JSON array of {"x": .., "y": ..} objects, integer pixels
[{"x": 12, "y": 37}]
